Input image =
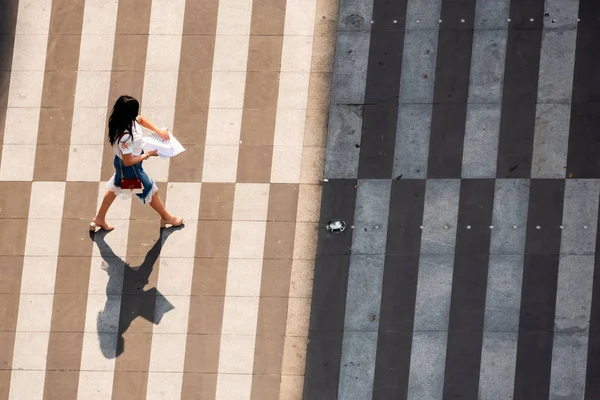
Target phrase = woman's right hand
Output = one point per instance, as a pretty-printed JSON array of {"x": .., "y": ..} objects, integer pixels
[{"x": 152, "y": 153}]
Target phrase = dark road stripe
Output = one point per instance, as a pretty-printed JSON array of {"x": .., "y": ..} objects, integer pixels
[
  {"x": 128, "y": 64},
  {"x": 58, "y": 93},
  {"x": 381, "y": 96},
  {"x": 399, "y": 290},
  {"x": 583, "y": 159},
  {"x": 538, "y": 294},
  {"x": 65, "y": 343},
  {"x": 517, "y": 123},
  {"x": 15, "y": 198},
  {"x": 469, "y": 282},
  {"x": 130, "y": 378},
  {"x": 261, "y": 94},
  {"x": 329, "y": 292},
  {"x": 451, "y": 90},
  {"x": 193, "y": 89}
]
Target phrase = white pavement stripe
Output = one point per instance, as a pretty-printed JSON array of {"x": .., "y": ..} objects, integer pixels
[
  {"x": 91, "y": 94},
  {"x": 416, "y": 94},
  {"x": 555, "y": 89},
  {"x": 162, "y": 73},
  {"x": 434, "y": 287},
  {"x": 359, "y": 347},
  {"x": 292, "y": 100},
  {"x": 574, "y": 289},
  {"x": 227, "y": 90},
  {"x": 25, "y": 90},
  {"x": 240, "y": 311},
  {"x": 36, "y": 300},
  {"x": 482, "y": 129},
  {"x": 104, "y": 306},
  {"x": 348, "y": 90},
  {"x": 167, "y": 354},
  {"x": 503, "y": 293}
]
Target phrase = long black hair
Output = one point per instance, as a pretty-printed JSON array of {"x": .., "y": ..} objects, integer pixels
[{"x": 121, "y": 119}]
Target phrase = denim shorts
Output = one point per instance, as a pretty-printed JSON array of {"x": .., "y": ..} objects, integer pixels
[{"x": 132, "y": 172}]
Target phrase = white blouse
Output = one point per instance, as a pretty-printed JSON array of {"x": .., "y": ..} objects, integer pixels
[{"x": 127, "y": 144}]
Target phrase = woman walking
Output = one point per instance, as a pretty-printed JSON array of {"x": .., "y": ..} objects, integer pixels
[{"x": 125, "y": 135}]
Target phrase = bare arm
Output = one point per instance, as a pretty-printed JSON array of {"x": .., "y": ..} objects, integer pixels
[
  {"x": 130, "y": 159},
  {"x": 149, "y": 125}
]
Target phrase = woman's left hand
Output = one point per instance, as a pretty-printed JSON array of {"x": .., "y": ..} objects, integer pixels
[{"x": 164, "y": 133}]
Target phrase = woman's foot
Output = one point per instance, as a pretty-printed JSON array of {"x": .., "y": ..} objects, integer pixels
[
  {"x": 96, "y": 225},
  {"x": 173, "y": 221}
]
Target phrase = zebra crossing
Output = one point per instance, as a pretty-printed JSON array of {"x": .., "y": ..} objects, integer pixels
[{"x": 462, "y": 151}]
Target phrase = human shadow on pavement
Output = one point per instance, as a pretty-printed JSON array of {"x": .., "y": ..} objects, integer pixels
[{"x": 126, "y": 298}]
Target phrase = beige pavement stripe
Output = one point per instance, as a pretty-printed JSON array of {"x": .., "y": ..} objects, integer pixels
[
  {"x": 227, "y": 91},
  {"x": 317, "y": 108},
  {"x": 37, "y": 296},
  {"x": 208, "y": 291},
  {"x": 193, "y": 91},
  {"x": 25, "y": 91},
  {"x": 14, "y": 206},
  {"x": 167, "y": 356},
  {"x": 88, "y": 127},
  {"x": 88, "y": 137},
  {"x": 262, "y": 85},
  {"x": 162, "y": 72},
  {"x": 131, "y": 367},
  {"x": 70, "y": 287},
  {"x": 293, "y": 91},
  {"x": 103, "y": 301},
  {"x": 274, "y": 289},
  {"x": 58, "y": 94},
  {"x": 128, "y": 63},
  {"x": 240, "y": 312}
]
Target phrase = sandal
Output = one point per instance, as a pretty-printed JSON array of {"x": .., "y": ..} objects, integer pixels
[
  {"x": 94, "y": 226},
  {"x": 174, "y": 222}
]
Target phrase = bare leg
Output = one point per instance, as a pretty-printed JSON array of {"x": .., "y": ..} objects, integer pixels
[
  {"x": 159, "y": 207},
  {"x": 100, "y": 218}
]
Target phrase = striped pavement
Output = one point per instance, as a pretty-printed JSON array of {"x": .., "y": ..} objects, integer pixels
[
  {"x": 216, "y": 310},
  {"x": 462, "y": 154},
  {"x": 457, "y": 140}
]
